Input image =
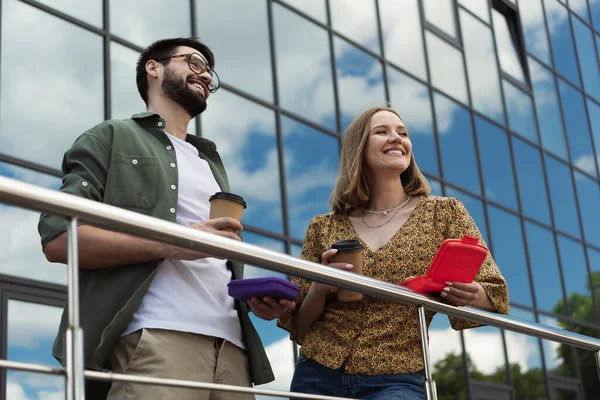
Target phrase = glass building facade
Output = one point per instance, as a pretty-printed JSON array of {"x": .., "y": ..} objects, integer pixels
[{"x": 501, "y": 98}]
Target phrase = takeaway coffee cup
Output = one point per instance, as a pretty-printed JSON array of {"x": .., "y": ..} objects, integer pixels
[
  {"x": 349, "y": 252},
  {"x": 223, "y": 204}
]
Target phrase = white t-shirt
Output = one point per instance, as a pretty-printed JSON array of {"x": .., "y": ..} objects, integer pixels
[{"x": 191, "y": 296}]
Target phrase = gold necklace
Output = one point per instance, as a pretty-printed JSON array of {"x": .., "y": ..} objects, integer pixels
[
  {"x": 384, "y": 212},
  {"x": 362, "y": 213}
]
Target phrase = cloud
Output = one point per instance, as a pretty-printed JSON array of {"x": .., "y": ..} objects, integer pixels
[
  {"x": 586, "y": 163},
  {"x": 29, "y": 324},
  {"x": 281, "y": 355},
  {"x": 20, "y": 384}
]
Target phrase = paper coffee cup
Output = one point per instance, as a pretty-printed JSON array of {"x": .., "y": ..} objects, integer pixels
[
  {"x": 224, "y": 204},
  {"x": 349, "y": 252}
]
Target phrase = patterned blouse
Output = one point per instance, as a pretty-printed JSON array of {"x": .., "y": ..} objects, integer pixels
[{"x": 374, "y": 336}]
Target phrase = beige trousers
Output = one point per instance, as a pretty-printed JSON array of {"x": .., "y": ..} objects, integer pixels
[{"x": 178, "y": 355}]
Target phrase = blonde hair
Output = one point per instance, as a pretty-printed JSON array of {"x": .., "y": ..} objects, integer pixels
[{"x": 351, "y": 188}]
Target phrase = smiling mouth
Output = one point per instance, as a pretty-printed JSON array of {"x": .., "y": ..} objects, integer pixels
[
  {"x": 199, "y": 87},
  {"x": 394, "y": 152}
]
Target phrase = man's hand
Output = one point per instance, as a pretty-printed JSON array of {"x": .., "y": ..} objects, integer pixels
[
  {"x": 268, "y": 308},
  {"x": 462, "y": 294},
  {"x": 217, "y": 226}
]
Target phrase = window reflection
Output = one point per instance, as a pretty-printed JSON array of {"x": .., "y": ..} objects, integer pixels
[
  {"x": 507, "y": 243},
  {"x": 558, "y": 358},
  {"x": 561, "y": 39},
  {"x": 548, "y": 112},
  {"x": 544, "y": 267},
  {"x": 477, "y": 7},
  {"x": 577, "y": 127},
  {"x": 520, "y": 112},
  {"x": 315, "y": 8},
  {"x": 474, "y": 207},
  {"x": 498, "y": 181},
  {"x": 456, "y": 138},
  {"x": 446, "y": 66},
  {"x": 580, "y": 7},
  {"x": 507, "y": 49},
  {"x": 401, "y": 26},
  {"x": 561, "y": 194},
  {"x": 143, "y": 22},
  {"x": 485, "y": 349},
  {"x": 447, "y": 359},
  {"x": 576, "y": 280},
  {"x": 594, "y": 114},
  {"x": 436, "y": 187},
  {"x": 595, "y": 10},
  {"x": 346, "y": 15},
  {"x": 303, "y": 68},
  {"x": 532, "y": 188},
  {"x": 90, "y": 11},
  {"x": 64, "y": 98},
  {"x": 411, "y": 99},
  {"x": 125, "y": 98},
  {"x": 311, "y": 168},
  {"x": 588, "y": 194},
  {"x": 587, "y": 58},
  {"x": 481, "y": 64},
  {"x": 441, "y": 14},
  {"x": 248, "y": 148},
  {"x": 534, "y": 28},
  {"x": 360, "y": 80}
]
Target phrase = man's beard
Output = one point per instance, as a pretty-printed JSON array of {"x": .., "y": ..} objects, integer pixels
[{"x": 178, "y": 91}]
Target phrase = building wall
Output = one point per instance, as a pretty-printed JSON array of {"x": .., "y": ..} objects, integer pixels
[{"x": 502, "y": 105}]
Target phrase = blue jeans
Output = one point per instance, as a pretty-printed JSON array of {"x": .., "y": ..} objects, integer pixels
[{"x": 314, "y": 378}]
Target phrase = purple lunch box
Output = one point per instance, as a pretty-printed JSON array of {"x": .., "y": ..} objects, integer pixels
[{"x": 274, "y": 286}]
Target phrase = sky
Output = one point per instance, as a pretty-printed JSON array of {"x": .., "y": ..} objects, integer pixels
[{"x": 50, "y": 106}]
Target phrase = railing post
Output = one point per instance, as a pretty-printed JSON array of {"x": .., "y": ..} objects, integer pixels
[
  {"x": 598, "y": 362},
  {"x": 430, "y": 392},
  {"x": 75, "y": 387}
]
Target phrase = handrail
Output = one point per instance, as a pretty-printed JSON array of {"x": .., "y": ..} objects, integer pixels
[{"x": 29, "y": 196}]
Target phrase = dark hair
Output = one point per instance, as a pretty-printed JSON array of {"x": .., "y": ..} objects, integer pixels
[{"x": 162, "y": 49}]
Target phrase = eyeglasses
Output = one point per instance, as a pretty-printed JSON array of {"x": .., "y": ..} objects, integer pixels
[{"x": 199, "y": 66}]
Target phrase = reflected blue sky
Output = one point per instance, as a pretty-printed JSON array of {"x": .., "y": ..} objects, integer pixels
[
  {"x": 474, "y": 207},
  {"x": 588, "y": 194},
  {"x": 562, "y": 40},
  {"x": 575, "y": 271},
  {"x": 587, "y": 58},
  {"x": 562, "y": 196},
  {"x": 532, "y": 188},
  {"x": 534, "y": 27},
  {"x": 520, "y": 112}
]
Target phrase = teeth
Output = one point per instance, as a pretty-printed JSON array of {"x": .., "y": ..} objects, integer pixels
[{"x": 395, "y": 152}]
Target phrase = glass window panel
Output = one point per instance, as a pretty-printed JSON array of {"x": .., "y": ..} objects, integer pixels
[
  {"x": 481, "y": 65},
  {"x": 548, "y": 112},
  {"x": 587, "y": 58},
  {"x": 441, "y": 14},
  {"x": 544, "y": 267},
  {"x": 498, "y": 179},
  {"x": 296, "y": 250},
  {"x": 277, "y": 342},
  {"x": 346, "y": 15},
  {"x": 594, "y": 114},
  {"x": 578, "y": 131},
  {"x": 446, "y": 66},
  {"x": 456, "y": 138},
  {"x": 249, "y": 153},
  {"x": 89, "y": 11},
  {"x": 561, "y": 194},
  {"x": 594, "y": 258},
  {"x": 474, "y": 207},
  {"x": 125, "y": 99},
  {"x": 520, "y": 112},
  {"x": 357, "y": 72},
  {"x": 558, "y": 358},
  {"x": 562, "y": 41},
  {"x": 588, "y": 194},
  {"x": 507, "y": 51},
  {"x": 485, "y": 349},
  {"x": 311, "y": 168},
  {"x": 577, "y": 283},
  {"x": 532, "y": 188},
  {"x": 587, "y": 366},
  {"x": 447, "y": 359},
  {"x": 304, "y": 68},
  {"x": 534, "y": 28},
  {"x": 64, "y": 99},
  {"x": 401, "y": 30},
  {"x": 145, "y": 21},
  {"x": 20, "y": 246},
  {"x": 477, "y": 7},
  {"x": 241, "y": 47},
  {"x": 595, "y": 9},
  {"x": 580, "y": 7},
  {"x": 314, "y": 8},
  {"x": 411, "y": 99},
  {"x": 436, "y": 187},
  {"x": 507, "y": 246},
  {"x": 525, "y": 359}
]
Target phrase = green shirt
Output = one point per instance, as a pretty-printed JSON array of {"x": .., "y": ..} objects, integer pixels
[{"x": 131, "y": 164}]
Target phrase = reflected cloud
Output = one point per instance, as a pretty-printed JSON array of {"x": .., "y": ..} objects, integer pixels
[
  {"x": 281, "y": 355},
  {"x": 26, "y": 386},
  {"x": 30, "y": 324}
]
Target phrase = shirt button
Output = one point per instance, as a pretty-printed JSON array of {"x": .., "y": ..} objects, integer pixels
[
  {"x": 172, "y": 210},
  {"x": 134, "y": 161},
  {"x": 160, "y": 124},
  {"x": 173, "y": 187},
  {"x": 169, "y": 147},
  {"x": 172, "y": 165},
  {"x": 84, "y": 183}
]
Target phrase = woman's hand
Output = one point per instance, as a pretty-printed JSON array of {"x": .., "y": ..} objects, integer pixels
[
  {"x": 323, "y": 289},
  {"x": 467, "y": 294}
]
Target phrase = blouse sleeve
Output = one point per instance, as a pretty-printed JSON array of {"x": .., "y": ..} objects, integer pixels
[
  {"x": 311, "y": 251},
  {"x": 461, "y": 223}
]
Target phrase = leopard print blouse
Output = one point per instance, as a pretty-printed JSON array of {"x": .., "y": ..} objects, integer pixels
[{"x": 374, "y": 336}]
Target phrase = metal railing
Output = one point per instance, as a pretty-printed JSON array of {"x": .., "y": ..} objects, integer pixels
[{"x": 104, "y": 216}]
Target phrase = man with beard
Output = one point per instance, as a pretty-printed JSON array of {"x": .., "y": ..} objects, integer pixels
[{"x": 150, "y": 308}]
